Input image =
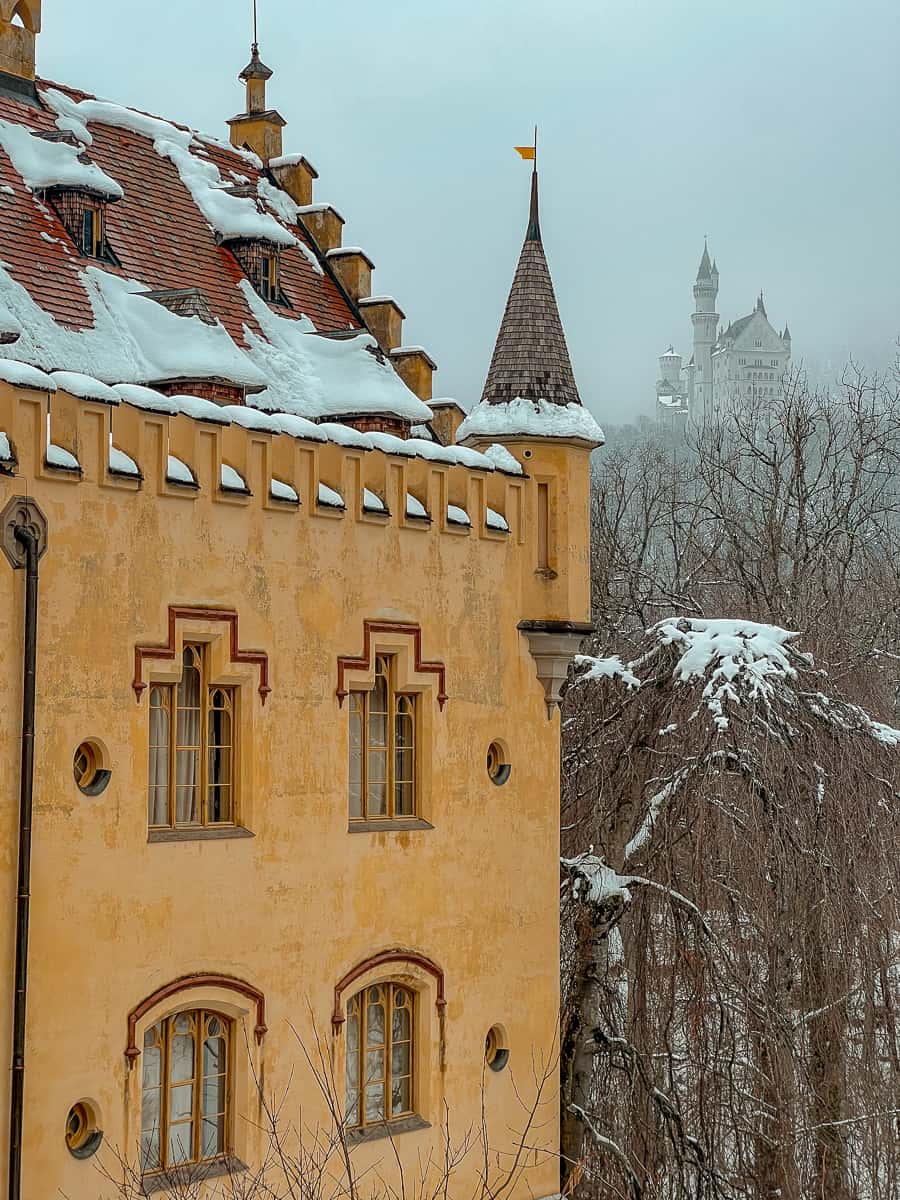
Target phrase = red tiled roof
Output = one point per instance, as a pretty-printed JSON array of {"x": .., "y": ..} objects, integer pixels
[{"x": 157, "y": 231}]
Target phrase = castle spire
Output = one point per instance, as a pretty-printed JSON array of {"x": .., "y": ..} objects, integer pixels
[
  {"x": 531, "y": 358},
  {"x": 705, "y": 269}
]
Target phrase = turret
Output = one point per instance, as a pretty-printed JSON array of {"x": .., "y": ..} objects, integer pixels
[
  {"x": 670, "y": 368},
  {"x": 705, "y": 320},
  {"x": 530, "y": 404}
]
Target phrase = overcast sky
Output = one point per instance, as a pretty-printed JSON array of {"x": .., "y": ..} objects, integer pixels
[{"x": 771, "y": 125}]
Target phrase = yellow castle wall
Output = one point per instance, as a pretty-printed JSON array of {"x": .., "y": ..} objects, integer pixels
[{"x": 293, "y": 908}]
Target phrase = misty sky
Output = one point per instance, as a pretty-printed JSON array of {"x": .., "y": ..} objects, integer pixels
[{"x": 771, "y": 125}]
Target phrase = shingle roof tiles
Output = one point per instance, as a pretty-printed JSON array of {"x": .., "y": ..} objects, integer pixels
[
  {"x": 157, "y": 231},
  {"x": 531, "y": 358}
]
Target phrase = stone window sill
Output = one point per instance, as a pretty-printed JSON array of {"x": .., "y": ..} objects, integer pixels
[
  {"x": 190, "y": 1175},
  {"x": 390, "y": 1129},
  {"x": 400, "y": 825},
  {"x": 209, "y": 834}
]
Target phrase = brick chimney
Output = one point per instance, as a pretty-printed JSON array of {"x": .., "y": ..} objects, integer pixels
[
  {"x": 20, "y": 23},
  {"x": 259, "y": 127}
]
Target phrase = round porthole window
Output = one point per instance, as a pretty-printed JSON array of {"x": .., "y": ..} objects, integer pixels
[
  {"x": 83, "y": 1137},
  {"x": 88, "y": 767},
  {"x": 498, "y": 767},
  {"x": 527, "y": 453},
  {"x": 496, "y": 1053}
]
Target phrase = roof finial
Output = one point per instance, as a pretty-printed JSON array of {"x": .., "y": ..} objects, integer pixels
[
  {"x": 530, "y": 153},
  {"x": 255, "y": 29}
]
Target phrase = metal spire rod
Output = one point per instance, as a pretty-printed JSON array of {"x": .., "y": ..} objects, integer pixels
[{"x": 255, "y": 26}]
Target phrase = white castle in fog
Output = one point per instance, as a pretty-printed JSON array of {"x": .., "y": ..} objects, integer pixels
[{"x": 743, "y": 363}]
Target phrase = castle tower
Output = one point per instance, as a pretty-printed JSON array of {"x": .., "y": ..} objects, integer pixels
[
  {"x": 531, "y": 405},
  {"x": 706, "y": 322},
  {"x": 20, "y": 23}
]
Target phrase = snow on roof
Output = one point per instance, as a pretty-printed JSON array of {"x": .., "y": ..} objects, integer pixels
[
  {"x": 289, "y": 160},
  {"x": 21, "y": 374},
  {"x": 84, "y": 387},
  {"x": 523, "y": 418},
  {"x": 6, "y": 454},
  {"x": 316, "y": 376},
  {"x": 502, "y": 459},
  {"x": 91, "y": 320},
  {"x": 495, "y": 520},
  {"x": 133, "y": 339},
  {"x": 43, "y": 164},
  {"x": 229, "y": 216}
]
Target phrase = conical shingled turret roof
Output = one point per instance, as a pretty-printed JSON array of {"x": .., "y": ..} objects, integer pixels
[{"x": 531, "y": 358}]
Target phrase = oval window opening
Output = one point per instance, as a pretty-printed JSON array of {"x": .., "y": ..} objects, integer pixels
[
  {"x": 91, "y": 775},
  {"x": 498, "y": 767},
  {"x": 83, "y": 1137},
  {"x": 496, "y": 1053}
]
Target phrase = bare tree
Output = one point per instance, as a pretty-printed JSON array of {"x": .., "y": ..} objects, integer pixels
[{"x": 730, "y": 953}]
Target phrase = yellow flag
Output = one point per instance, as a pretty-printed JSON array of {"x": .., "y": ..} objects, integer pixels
[{"x": 525, "y": 151}]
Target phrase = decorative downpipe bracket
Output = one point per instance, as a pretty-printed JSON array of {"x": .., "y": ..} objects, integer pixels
[
  {"x": 22, "y": 512},
  {"x": 553, "y": 645}
]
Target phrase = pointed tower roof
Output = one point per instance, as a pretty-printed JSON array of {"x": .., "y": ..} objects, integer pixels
[
  {"x": 760, "y": 305},
  {"x": 531, "y": 358},
  {"x": 786, "y": 336},
  {"x": 705, "y": 269}
]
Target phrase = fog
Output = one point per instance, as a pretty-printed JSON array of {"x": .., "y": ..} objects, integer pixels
[{"x": 771, "y": 127}]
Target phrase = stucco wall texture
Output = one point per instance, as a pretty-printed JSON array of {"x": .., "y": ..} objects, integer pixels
[{"x": 294, "y": 907}]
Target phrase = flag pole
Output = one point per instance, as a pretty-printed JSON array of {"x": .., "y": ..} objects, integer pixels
[{"x": 535, "y": 148}]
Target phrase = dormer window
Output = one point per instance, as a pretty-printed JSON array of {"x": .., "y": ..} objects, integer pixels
[
  {"x": 83, "y": 215},
  {"x": 260, "y": 261},
  {"x": 269, "y": 287},
  {"x": 93, "y": 236}
]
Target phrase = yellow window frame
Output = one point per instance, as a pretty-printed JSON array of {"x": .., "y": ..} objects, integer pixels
[
  {"x": 159, "y": 1037},
  {"x": 212, "y": 696},
  {"x": 358, "y": 1010},
  {"x": 400, "y": 707}
]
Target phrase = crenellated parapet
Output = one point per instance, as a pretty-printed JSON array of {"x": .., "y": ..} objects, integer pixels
[{"x": 131, "y": 440}]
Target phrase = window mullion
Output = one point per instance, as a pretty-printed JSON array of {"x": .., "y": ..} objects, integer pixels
[
  {"x": 172, "y": 692},
  {"x": 164, "y": 1098},
  {"x": 362, "y": 1058},
  {"x": 391, "y": 739},
  {"x": 388, "y": 1048},
  {"x": 204, "y": 738},
  {"x": 200, "y": 1026},
  {"x": 366, "y": 727}
]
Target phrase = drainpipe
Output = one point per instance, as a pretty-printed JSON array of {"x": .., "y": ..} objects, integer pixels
[{"x": 24, "y": 530}]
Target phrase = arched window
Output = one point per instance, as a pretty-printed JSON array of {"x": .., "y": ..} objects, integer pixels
[
  {"x": 192, "y": 743},
  {"x": 380, "y": 1055},
  {"x": 185, "y": 1088},
  {"x": 382, "y": 749}
]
